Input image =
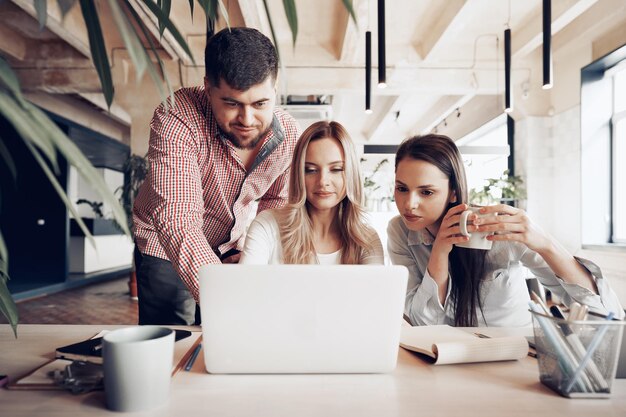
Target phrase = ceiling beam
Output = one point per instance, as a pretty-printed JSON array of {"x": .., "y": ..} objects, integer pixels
[
  {"x": 167, "y": 41},
  {"x": 438, "y": 112},
  {"x": 528, "y": 38},
  {"x": 116, "y": 112},
  {"x": 602, "y": 17},
  {"x": 441, "y": 19},
  {"x": 12, "y": 43},
  {"x": 477, "y": 112},
  {"x": 59, "y": 80},
  {"x": 416, "y": 80},
  {"x": 352, "y": 34},
  {"x": 71, "y": 28},
  {"x": 381, "y": 110}
]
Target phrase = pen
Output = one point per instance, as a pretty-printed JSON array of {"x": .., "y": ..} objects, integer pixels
[
  {"x": 579, "y": 349},
  {"x": 193, "y": 357},
  {"x": 593, "y": 345},
  {"x": 567, "y": 361}
]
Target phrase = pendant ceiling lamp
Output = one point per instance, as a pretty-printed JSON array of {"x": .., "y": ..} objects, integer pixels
[
  {"x": 547, "y": 44},
  {"x": 382, "y": 76},
  {"x": 508, "y": 96},
  {"x": 368, "y": 72}
]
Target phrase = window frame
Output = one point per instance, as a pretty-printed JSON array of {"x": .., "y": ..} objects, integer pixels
[{"x": 597, "y": 137}]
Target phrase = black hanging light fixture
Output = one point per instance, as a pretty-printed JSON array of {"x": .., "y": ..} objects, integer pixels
[
  {"x": 508, "y": 97},
  {"x": 547, "y": 42},
  {"x": 368, "y": 72},
  {"x": 382, "y": 76}
]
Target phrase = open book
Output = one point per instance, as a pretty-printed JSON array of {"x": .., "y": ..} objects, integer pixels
[{"x": 444, "y": 344}]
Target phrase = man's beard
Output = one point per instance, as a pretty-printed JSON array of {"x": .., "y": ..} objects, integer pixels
[{"x": 238, "y": 143}]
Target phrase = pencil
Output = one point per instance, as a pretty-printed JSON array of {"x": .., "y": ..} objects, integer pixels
[{"x": 193, "y": 357}]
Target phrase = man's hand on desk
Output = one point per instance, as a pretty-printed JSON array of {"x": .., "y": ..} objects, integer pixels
[{"x": 232, "y": 259}]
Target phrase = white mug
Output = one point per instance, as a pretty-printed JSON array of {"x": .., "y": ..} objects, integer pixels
[
  {"x": 477, "y": 240},
  {"x": 137, "y": 365}
]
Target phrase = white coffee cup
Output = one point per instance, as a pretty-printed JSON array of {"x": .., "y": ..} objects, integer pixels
[
  {"x": 137, "y": 367},
  {"x": 477, "y": 240}
]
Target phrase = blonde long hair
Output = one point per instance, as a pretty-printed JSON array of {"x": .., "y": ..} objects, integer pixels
[{"x": 294, "y": 222}]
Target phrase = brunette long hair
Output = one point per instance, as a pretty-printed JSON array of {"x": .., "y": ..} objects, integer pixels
[{"x": 467, "y": 266}]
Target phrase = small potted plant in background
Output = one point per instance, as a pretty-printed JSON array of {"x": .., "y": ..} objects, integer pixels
[
  {"x": 370, "y": 185},
  {"x": 135, "y": 171},
  {"x": 508, "y": 189}
]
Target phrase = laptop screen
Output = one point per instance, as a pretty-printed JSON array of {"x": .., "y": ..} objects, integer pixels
[{"x": 301, "y": 318}]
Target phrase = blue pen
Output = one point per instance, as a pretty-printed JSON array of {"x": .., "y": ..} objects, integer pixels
[
  {"x": 566, "y": 359},
  {"x": 593, "y": 345},
  {"x": 193, "y": 357}
]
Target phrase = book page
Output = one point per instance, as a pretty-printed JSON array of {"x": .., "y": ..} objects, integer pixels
[
  {"x": 446, "y": 345},
  {"x": 481, "y": 350}
]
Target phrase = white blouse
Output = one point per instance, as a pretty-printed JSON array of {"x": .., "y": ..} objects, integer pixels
[
  {"x": 504, "y": 294},
  {"x": 263, "y": 246}
]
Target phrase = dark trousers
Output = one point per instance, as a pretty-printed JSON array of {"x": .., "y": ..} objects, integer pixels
[{"x": 163, "y": 297}]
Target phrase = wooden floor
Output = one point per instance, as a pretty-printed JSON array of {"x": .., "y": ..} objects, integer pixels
[{"x": 102, "y": 303}]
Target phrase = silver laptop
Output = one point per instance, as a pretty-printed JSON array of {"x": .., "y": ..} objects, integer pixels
[{"x": 301, "y": 318}]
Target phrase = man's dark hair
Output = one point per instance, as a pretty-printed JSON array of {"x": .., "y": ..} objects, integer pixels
[{"x": 242, "y": 57}]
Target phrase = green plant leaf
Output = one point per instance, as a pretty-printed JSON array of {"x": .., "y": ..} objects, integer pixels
[
  {"x": 210, "y": 9},
  {"x": 7, "y": 305},
  {"x": 15, "y": 114},
  {"x": 292, "y": 18},
  {"x": 77, "y": 159},
  {"x": 41, "y": 6},
  {"x": 131, "y": 40},
  {"x": 149, "y": 66},
  {"x": 8, "y": 160},
  {"x": 191, "y": 8},
  {"x": 348, "y": 5},
  {"x": 4, "y": 257},
  {"x": 165, "y": 6},
  {"x": 144, "y": 30},
  {"x": 98, "y": 49},
  {"x": 167, "y": 23},
  {"x": 9, "y": 79},
  {"x": 65, "y": 6},
  {"x": 224, "y": 13},
  {"x": 269, "y": 20}
]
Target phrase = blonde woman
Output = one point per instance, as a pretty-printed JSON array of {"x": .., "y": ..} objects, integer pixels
[{"x": 323, "y": 222}]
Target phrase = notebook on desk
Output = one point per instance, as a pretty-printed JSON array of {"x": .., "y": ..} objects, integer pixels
[{"x": 301, "y": 318}]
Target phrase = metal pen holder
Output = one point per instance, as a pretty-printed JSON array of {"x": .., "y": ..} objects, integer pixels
[{"x": 577, "y": 359}]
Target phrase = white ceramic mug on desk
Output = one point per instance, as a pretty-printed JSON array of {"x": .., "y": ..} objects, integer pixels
[
  {"x": 477, "y": 240},
  {"x": 137, "y": 367}
]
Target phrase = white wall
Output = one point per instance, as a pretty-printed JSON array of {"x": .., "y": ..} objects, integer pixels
[
  {"x": 548, "y": 155},
  {"x": 79, "y": 188}
]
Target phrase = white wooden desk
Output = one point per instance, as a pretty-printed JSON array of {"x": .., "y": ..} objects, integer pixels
[{"x": 414, "y": 389}]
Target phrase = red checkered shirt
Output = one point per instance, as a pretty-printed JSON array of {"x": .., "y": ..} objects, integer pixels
[{"x": 197, "y": 197}]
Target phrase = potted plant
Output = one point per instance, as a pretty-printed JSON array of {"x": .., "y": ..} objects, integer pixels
[
  {"x": 370, "y": 185},
  {"x": 507, "y": 189},
  {"x": 45, "y": 139}
]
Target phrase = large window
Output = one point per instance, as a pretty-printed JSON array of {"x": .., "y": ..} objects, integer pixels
[
  {"x": 603, "y": 151},
  {"x": 485, "y": 152},
  {"x": 619, "y": 153}
]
